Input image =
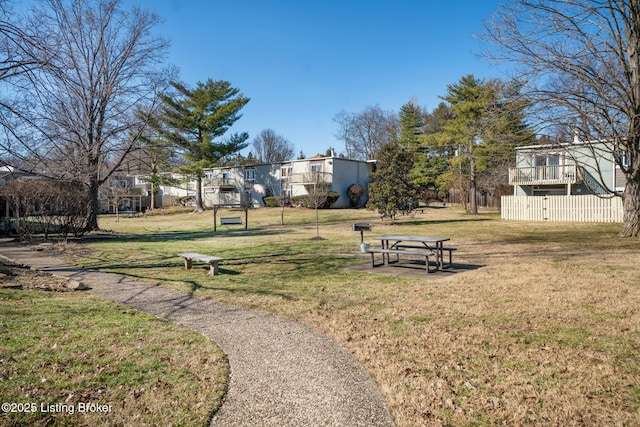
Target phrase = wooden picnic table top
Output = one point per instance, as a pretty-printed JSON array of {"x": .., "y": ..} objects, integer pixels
[{"x": 424, "y": 239}]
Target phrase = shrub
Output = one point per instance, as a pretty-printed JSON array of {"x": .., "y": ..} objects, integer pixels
[
  {"x": 273, "y": 201},
  {"x": 309, "y": 200},
  {"x": 47, "y": 206},
  {"x": 355, "y": 193}
]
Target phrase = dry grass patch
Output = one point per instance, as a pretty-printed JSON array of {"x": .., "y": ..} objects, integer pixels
[{"x": 544, "y": 333}]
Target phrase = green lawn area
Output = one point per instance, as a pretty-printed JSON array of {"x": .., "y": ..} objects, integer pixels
[
  {"x": 61, "y": 353},
  {"x": 545, "y": 332}
]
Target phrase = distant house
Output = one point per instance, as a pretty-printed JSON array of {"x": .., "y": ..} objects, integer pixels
[
  {"x": 125, "y": 193},
  {"x": 565, "y": 182},
  {"x": 228, "y": 185},
  {"x": 7, "y": 174},
  {"x": 231, "y": 185}
]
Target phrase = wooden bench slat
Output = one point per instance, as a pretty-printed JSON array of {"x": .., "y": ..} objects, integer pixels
[{"x": 230, "y": 220}]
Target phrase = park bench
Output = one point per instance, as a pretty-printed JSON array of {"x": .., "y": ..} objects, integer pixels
[
  {"x": 211, "y": 260},
  {"x": 230, "y": 220},
  {"x": 398, "y": 252}
]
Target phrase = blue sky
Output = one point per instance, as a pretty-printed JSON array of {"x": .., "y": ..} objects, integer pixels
[{"x": 302, "y": 62}]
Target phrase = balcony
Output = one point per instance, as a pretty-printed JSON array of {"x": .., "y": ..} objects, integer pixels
[
  {"x": 309, "y": 178},
  {"x": 223, "y": 184},
  {"x": 545, "y": 175}
]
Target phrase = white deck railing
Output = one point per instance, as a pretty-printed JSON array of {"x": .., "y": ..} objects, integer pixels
[
  {"x": 310, "y": 178},
  {"x": 544, "y": 175}
]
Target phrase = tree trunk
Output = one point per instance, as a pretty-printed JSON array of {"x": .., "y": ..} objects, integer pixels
[
  {"x": 154, "y": 193},
  {"x": 199, "y": 205},
  {"x": 631, "y": 207},
  {"x": 93, "y": 206},
  {"x": 472, "y": 188}
]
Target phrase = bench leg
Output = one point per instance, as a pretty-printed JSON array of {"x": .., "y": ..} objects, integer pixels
[
  {"x": 187, "y": 264},
  {"x": 213, "y": 268},
  {"x": 450, "y": 260},
  {"x": 373, "y": 260}
]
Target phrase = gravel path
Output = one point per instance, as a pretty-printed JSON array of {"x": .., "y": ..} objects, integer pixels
[{"x": 283, "y": 373}]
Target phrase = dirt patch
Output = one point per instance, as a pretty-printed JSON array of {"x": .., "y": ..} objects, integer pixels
[{"x": 19, "y": 276}]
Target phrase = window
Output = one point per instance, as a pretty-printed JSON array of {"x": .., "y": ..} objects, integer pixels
[
  {"x": 249, "y": 174},
  {"x": 624, "y": 159},
  {"x": 548, "y": 165},
  {"x": 316, "y": 167},
  {"x": 549, "y": 159},
  {"x": 285, "y": 171}
]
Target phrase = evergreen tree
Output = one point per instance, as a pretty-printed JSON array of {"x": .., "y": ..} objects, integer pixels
[
  {"x": 411, "y": 125},
  {"x": 429, "y": 163},
  {"x": 469, "y": 99},
  {"x": 392, "y": 191},
  {"x": 487, "y": 124},
  {"x": 195, "y": 118}
]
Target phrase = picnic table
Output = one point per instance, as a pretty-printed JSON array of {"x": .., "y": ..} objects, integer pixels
[{"x": 415, "y": 246}]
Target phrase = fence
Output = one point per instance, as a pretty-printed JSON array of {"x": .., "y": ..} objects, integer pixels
[{"x": 562, "y": 208}]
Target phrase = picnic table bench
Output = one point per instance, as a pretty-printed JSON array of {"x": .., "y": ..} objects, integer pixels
[
  {"x": 444, "y": 249},
  {"x": 398, "y": 252},
  {"x": 213, "y": 261}
]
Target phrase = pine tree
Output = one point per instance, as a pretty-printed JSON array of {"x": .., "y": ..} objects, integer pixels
[
  {"x": 487, "y": 124},
  {"x": 193, "y": 121},
  {"x": 411, "y": 125}
]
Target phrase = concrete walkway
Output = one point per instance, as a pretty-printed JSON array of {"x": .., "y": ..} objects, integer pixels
[{"x": 283, "y": 373}]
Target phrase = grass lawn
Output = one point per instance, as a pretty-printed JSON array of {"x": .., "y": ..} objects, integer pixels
[
  {"x": 546, "y": 332},
  {"x": 60, "y": 353}
]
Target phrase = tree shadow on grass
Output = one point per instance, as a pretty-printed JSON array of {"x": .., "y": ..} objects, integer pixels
[
  {"x": 180, "y": 235},
  {"x": 202, "y": 280},
  {"x": 426, "y": 221},
  {"x": 201, "y": 277}
]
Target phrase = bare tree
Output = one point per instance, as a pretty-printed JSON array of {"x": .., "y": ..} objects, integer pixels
[
  {"x": 365, "y": 132},
  {"x": 269, "y": 147},
  {"x": 14, "y": 44},
  {"x": 74, "y": 117},
  {"x": 317, "y": 186},
  {"x": 581, "y": 60}
]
